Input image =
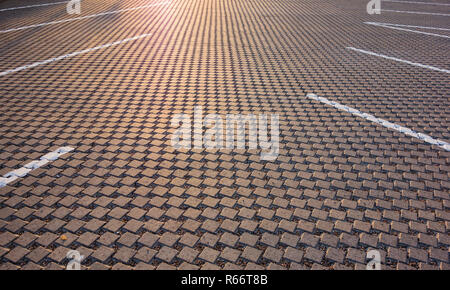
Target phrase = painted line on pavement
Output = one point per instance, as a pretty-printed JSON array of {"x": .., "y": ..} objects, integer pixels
[
  {"x": 415, "y": 2},
  {"x": 7, "y": 72},
  {"x": 416, "y": 12},
  {"x": 408, "y": 30},
  {"x": 409, "y": 26},
  {"x": 82, "y": 17},
  {"x": 32, "y": 6},
  {"x": 387, "y": 124},
  {"x": 400, "y": 60},
  {"x": 23, "y": 171}
]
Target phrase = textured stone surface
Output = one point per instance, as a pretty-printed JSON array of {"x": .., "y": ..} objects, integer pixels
[{"x": 126, "y": 199}]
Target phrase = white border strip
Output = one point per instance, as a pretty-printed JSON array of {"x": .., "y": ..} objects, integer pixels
[
  {"x": 400, "y": 60},
  {"x": 416, "y": 12},
  {"x": 387, "y": 124},
  {"x": 414, "y": 2},
  {"x": 409, "y": 26},
  {"x": 83, "y": 17},
  {"x": 408, "y": 30},
  {"x": 7, "y": 72},
  {"x": 23, "y": 171},
  {"x": 31, "y": 6}
]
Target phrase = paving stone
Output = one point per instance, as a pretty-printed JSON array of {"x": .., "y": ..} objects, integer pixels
[
  {"x": 341, "y": 267},
  {"x": 187, "y": 266},
  {"x": 230, "y": 266},
  {"x": 188, "y": 254},
  {"x": 127, "y": 199},
  {"x": 289, "y": 239},
  {"x": 102, "y": 253},
  {"x": 314, "y": 254},
  {"x": 209, "y": 239},
  {"x": 209, "y": 255},
  {"x": 253, "y": 266},
  {"x": 267, "y": 225},
  {"x": 418, "y": 254},
  {"x": 248, "y": 239},
  {"x": 293, "y": 254},
  {"x": 148, "y": 239},
  {"x": 38, "y": 254},
  {"x": 86, "y": 239},
  {"x": 309, "y": 240},
  {"x": 16, "y": 254},
  {"x": 389, "y": 240},
  {"x": 230, "y": 239},
  {"x": 397, "y": 254},
  {"x": 408, "y": 240},
  {"x": 54, "y": 267},
  {"x": 121, "y": 267},
  {"x": 145, "y": 255},
  {"x": 6, "y": 238},
  {"x": 108, "y": 238},
  {"x": 9, "y": 266},
  {"x": 165, "y": 266},
  {"x": 356, "y": 255},
  {"x": 166, "y": 254},
  {"x": 273, "y": 254},
  {"x": 209, "y": 266},
  {"x": 273, "y": 266},
  {"x": 59, "y": 254},
  {"x": 329, "y": 240},
  {"x": 439, "y": 255},
  {"x": 31, "y": 267},
  {"x": 99, "y": 266},
  {"x": 335, "y": 255},
  {"x": 128, "y": 239},
  {"x": 25, "y": 239},
  {"x": 269, "y": 239},
  {"x": 230, "y": 254},
  {"x": 316, "y": 266},
  {"x": 124, "y": 254},
  {"x": 251, "y": 254},
  {"x": 368, "y": 240}
]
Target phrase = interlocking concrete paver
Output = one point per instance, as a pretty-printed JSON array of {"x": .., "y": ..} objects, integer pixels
[
  {"x": 209, "y": 255},
  {"x": 145, "y": 255},
  {"x": 127, "y": 199},
  {"x": 314, "y": 254},
  {"x": 273, "y": 254},
  {"x": 102, "y": 253},
  {"x": 251, "y": 254}
]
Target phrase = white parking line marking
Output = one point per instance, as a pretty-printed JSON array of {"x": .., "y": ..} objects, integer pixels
[
  {"x": 23, "y": 171},
  {"x": 400, "y": 60},
  {"x": 409, "y": 26},
  {"x": 416, "y": 12},
  {"x": 83, "y": 17},
  {"x": 414, "y": 2},
  {"x": 31, "y": 6},
  {"x": 3, "y": 73},
  {"x": 408, "y": 30},
  {"x": 387, "y": 124}
]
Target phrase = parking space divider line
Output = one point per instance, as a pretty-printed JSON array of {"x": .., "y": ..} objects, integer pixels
[
  {"x": 23, "y": 171},
  {"x": 408, "y": 30},
  {"x": 400, "y": 60},
  {"x": 82, "y": 17},
  {"x": 409, "y": 26},
  {"x": 416, "y": 12},
  {"x": 417, "y": 2},
  {"x": 17, "y": 69},
  {"x": 387, "y": 124},
  {"x": 32, "y": 6}
]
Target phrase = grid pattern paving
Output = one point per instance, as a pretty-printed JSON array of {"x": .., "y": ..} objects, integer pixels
[{"x": 126, "y": 199}]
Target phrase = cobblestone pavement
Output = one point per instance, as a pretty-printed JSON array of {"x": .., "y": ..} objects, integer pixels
[{"x": 126, "y": 199}]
